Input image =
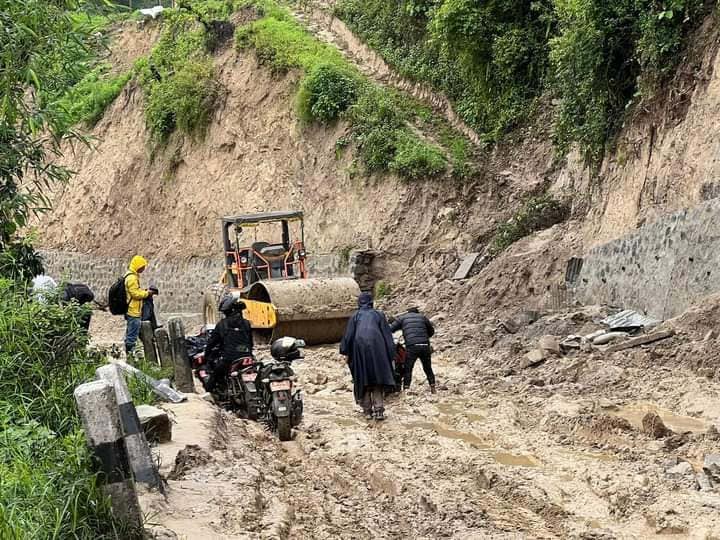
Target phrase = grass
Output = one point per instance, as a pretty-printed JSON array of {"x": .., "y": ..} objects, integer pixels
[
  {"x": 537, "y": 213},
  {"x": 47, "y": 485},
  {"x": 382, "y": 289},
  {"x": 86, "y": 102},
  {"x": 178, "y": 78},
  {"x": 142, "y": 393},
  {"x": 331, "y": 88}
]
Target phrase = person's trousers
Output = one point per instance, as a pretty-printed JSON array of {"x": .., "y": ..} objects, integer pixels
[
  {"x": 132, "y": 332},
  {"x": 373, "y": 399},
  {"x": 423, "y": 353}
]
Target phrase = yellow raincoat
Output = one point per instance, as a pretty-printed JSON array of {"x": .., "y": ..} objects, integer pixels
[{"x": 135, "y": 294}]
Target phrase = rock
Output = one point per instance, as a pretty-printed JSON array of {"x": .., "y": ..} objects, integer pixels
[
  {"x": 533, "y": 358},
  {"x": 654, "y": 427},
  {"x": 188, "y": 458},
  {"x": 550, "y": 344},
  {"x": 712, "y": 334},
  {"x": 703, "y": 481},
  {"x": 707, "y": 372},
  {"x": 673, "y": 442},
  {"x": 712, "y": 434},
  {"x": 681, "y": 469},
  {"x": 536, "y": 382},
  {"x": 711, "y": 467},
  {"x": 155, "y": 423},
  {"x": 604, "y": 339},
  {"x": 318, "y": 379}
]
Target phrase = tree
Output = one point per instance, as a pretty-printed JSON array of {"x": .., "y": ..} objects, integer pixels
[{"x": 42, "y": 53}]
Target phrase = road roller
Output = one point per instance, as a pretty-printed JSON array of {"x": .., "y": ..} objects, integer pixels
[{"x": 266, "y": 266}]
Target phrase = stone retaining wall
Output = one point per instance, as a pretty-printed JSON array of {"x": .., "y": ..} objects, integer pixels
[
  {"x": 661, "y": 269},
  {"x": 181, "y": 281}
]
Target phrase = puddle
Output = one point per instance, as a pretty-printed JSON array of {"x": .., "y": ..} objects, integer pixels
[
  {"x": 513, "y": 460},
  {"x": 454, "y": 409},
  {"x": 599, "y": 456},
  {"x": 503, "y": 458},
  {"x": 634, "y": 413}
]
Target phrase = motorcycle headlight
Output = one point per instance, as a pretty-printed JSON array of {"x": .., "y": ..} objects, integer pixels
[
  {"x": 243, "y": 260},
  {"x": 301, "y": 253}
]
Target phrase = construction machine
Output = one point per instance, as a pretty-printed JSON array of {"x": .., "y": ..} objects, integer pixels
[{"x": 266, "y": 265}]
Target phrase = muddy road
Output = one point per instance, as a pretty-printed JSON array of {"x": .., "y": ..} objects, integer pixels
[{"x": 555, "y": 452}]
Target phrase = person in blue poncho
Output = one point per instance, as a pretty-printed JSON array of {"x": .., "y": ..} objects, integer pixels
[{"x": 369, "y": 347}]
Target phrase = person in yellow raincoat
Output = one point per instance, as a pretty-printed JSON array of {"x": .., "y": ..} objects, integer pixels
[{"x": 135, "y": 297}]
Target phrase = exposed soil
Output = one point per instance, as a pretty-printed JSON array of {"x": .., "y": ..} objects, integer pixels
[{"x": 555, "y": 451}]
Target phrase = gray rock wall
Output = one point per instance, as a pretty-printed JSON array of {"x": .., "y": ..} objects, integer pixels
[
  {"x": 181, "y": 281},
  {"x": 661, "y": 269}
]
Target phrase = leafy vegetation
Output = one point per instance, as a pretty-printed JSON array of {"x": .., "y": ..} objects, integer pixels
[
  {"x": 178, "y": 77},
  {"x": 382, "y": 289},
  {"x": 47, "y": 489},
  {"x": 537, "y": 213},
  {"x": 140, "y": 390},
  {"x": 44, "y": 52},
  {"x": 494, "y": 59},
  {"x": 87, "y": 100},
  {"x": 331, "y": 88}
]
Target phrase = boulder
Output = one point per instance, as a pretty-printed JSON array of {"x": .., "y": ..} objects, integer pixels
[
  {"x": 155, "y": 423},
  {"x": 711, "y": 467},
  {"x": 681, "y": 469},
  {"x": 654, "y": 427},
  {"x": 550, "y": 344},
  {"x": 534, "y": 358}
]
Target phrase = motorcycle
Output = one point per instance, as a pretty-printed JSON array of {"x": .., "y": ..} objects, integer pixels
[
  {"x": 399, "y": 363},
  {"x": 283, "y": 405},
  {"x": 258, "y": 390}
]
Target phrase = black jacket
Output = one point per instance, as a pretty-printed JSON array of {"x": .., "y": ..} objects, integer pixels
[
  {"x": 416, "y": 328},
  {"x": 231, "y": 339}
]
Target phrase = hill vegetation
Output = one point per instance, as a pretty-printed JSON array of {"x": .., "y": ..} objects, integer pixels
[{"x": 497, "y": 59}]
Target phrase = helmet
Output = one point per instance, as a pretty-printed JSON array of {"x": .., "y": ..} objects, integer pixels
[
  {"x": 287, "y": 348},
  {"x": 230, "y": 304}
]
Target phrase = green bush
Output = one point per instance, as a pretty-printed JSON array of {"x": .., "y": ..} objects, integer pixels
[
  {"x": 415, "y": 159},
  {"x": 326, "y": 92},
  {"x": 47, "y": 487},
  {"x": 184, "y": 101},
  {"x": 488, "y": 57},
  {"x": 87, "y": 100},
  {"x": 178, "y": 77},
  {"x": 537, "y": 213}
]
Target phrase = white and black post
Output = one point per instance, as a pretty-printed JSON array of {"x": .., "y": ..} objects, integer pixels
[
  {"x": 138, "y": 450},
  {"x": 98, "y": 409}
]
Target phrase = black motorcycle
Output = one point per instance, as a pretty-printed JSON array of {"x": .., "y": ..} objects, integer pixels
[
  {"x": 283, "y": 405},
  {"x": 257, "y": 390}
]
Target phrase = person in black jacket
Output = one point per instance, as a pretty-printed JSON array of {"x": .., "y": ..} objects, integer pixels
[
  {"x": 417, "y": 331},
  {"x": 231, "y": 339}
]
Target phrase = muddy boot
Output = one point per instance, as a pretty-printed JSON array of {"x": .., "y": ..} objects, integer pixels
[
  {"x": 379, "y": 414},
  {"x": 433, "y": 390}
]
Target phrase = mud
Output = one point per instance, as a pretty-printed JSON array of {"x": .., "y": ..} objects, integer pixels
[{"x": 489, "y": 456}]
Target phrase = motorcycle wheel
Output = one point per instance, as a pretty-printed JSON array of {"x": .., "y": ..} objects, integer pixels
[{"x": 284, "y": 429}]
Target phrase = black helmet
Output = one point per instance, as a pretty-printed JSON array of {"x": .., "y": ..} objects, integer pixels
[{"x": 230, "y": 305}]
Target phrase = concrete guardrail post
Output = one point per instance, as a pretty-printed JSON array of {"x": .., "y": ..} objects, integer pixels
[
  {"x": 162, "y": 339},
  {"x": 183, "y": 371},
  {"x": 148, "y": 340},
  {"x": 138, "y": 450},
  {"x": 98, "y": 409}
]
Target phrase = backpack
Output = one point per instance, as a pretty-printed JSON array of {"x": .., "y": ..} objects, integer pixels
[
  {"x": 117, "y": 297},
  {"x": 79, "y": 292}
]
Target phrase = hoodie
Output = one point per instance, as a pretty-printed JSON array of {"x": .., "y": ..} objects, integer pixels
[{"x": 135, "y": 294}]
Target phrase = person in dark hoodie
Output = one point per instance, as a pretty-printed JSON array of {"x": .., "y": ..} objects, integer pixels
[
  {"x": 368, "y": 345},
  {"x": 417, "y": 331}
]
